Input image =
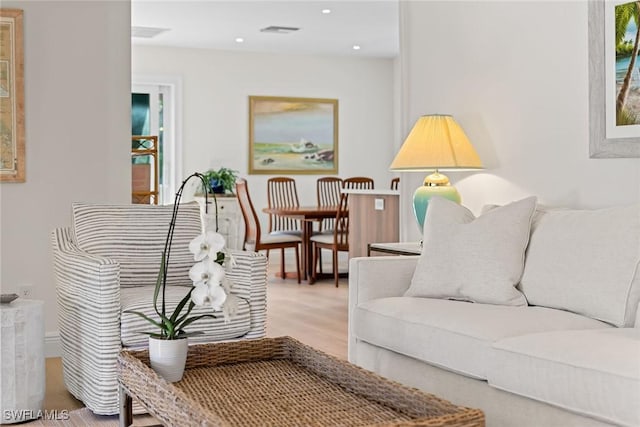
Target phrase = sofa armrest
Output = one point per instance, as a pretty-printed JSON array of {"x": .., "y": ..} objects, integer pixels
[
  {"x": 376, "y": 277},
  {"x": 88, "y": 296},
  {"x": 379, "y": 277},
  {"x": 249, "y": 277}
]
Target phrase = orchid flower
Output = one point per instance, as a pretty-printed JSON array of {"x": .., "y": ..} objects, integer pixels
[
  {"x": 217, "y": 297},
  {"x": 206, "y": 272},
  {"x": 200, "y": 294},
  {"x": 207, "y": 244},
  {"x": 213, "y": 294}
]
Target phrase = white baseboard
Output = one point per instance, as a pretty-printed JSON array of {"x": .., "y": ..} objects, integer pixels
[{"x": 52, "y": 344}]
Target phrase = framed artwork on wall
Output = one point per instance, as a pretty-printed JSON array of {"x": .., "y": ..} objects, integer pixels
[
  {"x": 614, "y": 79},
  {"x": 293, "y": 135},
  {"x": 12, "y": 153}
]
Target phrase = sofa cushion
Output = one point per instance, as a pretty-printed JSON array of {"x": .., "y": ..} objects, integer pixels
[
  {"x": 473, "y": 259},
  {"x": 455, "y": 335},
  {"x": 141, "y": 299},
  {"x": 593, "y": 372},
  {"x": 135, "y": 235},
  {"x": 585, "y": 261}
]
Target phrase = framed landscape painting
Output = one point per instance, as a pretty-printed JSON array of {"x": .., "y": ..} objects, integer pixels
[
  {"x": 12, "y": 153},
  {"x": 614, "y": 79},
  {"x": 293, "y": 135}
]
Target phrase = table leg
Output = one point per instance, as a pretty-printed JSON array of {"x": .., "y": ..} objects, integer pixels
[
  {"x": 307, "y": 259},
  {"x": 126, "y": 408}
]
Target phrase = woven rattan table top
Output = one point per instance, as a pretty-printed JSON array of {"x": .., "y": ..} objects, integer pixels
[{"x": 280, "y": 382}]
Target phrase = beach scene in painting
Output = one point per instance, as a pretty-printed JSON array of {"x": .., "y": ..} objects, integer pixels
[
  {"x": 627, "y": 39},
  {"x": 293, "y": 136}
]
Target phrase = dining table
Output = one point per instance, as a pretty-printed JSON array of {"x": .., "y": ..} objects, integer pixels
[{"x": 307, "y": 215}]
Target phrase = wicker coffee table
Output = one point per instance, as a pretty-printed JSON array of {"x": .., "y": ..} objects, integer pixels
[{"x": 277, "y": 382}]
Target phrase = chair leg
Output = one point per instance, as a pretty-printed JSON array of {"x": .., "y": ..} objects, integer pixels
[
  {"x": 319, "y": 260},
  {"x": 282, "y": 272},
  {"x": 298, "y": 263},
  {"x": 335, "y": 266},
  {"x": 314, "y": 271}
]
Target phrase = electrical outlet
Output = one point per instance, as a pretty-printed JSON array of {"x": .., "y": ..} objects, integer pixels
[
  {"x": 25, "y": 291},
  {"x": 379, "y": 204}
]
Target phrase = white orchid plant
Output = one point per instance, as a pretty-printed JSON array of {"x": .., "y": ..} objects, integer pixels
[{"x": 210, "y": 284}]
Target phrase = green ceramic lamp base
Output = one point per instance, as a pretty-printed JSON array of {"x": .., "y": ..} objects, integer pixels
[{"x": 435, "y": 184}]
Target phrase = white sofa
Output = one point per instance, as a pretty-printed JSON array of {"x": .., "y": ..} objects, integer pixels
[{"x": 569, "y": 357}]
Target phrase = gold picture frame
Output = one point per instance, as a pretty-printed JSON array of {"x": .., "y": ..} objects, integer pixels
[
  {"x": 293, "y": 135},
  {"x": 12, "y": 151}
]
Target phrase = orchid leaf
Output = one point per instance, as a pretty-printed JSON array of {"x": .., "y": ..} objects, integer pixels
[
  {"x": 193, "y": 319},
  {"x": 159, "y": 283},
  {"x": 147, "y": 318},
  {"x": 180, "y": 320},
  {"x": 180, "y": 306}
]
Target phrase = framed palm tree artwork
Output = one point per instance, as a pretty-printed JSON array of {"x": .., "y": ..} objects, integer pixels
[{"x": 614, "y": 78}]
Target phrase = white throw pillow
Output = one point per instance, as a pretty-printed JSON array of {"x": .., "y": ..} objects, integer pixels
[
  {"x": 586, "y": 261},
  {"x": 473, "y": 259}
]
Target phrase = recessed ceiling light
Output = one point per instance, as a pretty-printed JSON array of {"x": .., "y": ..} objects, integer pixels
[
  {"x": 356, "y": 47},
  {"x": 326, "y": 11},
  {"x": 239, "y": 40}
]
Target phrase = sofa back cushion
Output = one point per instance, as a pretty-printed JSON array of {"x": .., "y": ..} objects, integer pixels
[
  {"x": 473, "y": 259},
  {"x": 135, "y": 235},
  {"x": 585, "y": 261}
]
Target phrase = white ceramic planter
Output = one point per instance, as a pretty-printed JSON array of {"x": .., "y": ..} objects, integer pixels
[{"x": 168, "y": 357}]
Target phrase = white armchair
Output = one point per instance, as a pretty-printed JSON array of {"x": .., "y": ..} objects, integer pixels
[{"x": 106, "y": 263}]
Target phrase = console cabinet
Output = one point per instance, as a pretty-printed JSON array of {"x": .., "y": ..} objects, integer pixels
[{"x": 230, "y": 223}]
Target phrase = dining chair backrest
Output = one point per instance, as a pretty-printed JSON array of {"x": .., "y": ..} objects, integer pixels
[
  {"x": 394, "y": 183},
  {"x": 358, "y": 183},
  {"x": 328, "y": 190},
  {"x": 328, "y": 194},
  {"x": 341, "y": 229},
  {"x": 281, "y": 192},
  {"x": 251, "y": 222}
]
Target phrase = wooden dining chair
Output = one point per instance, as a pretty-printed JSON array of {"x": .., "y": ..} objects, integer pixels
[
  {"x": 253, "y": 237},
  {"x": 394, "y": 183},
  {"x": 358, "y": 183},
  {"x": 328, "y": 194},
  {"x": 282, "y": 192},
  {"x": 336, "y": 241}
]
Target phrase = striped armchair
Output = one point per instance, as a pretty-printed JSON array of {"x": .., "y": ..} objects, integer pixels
[{"x": 106, "y": 263}]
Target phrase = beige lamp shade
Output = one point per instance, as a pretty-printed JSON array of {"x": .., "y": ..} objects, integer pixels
[{"x": 436, "y": 142}]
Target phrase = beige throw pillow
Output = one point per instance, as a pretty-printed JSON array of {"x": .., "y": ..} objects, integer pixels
[{"x": 473, "y": 259}]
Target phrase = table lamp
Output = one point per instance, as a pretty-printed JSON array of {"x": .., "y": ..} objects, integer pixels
[{"x": 435, "y": 143}]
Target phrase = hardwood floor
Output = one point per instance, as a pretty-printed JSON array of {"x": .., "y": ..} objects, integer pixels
[{"x": 313, "y": 314}]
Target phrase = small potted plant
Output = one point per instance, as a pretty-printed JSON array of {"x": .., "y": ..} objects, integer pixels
[{"x": 222, "y": 180}]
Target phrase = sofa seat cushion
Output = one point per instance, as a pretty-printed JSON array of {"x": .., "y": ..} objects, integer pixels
[
  {"x": 593, "y": 372},
  {"x": 141, "y": 299},
  {"x": 454, "y": 335}
]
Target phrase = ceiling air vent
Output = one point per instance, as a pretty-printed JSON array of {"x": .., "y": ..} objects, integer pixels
[
  {"x": 146, "y": 32},
  {"x": 278, "y": 30}
]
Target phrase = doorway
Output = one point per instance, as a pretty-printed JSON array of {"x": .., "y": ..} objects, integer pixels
[{"x": 154, "y": 120}]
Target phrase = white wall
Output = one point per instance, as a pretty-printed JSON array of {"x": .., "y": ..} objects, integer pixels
[
  {"x": 216, "y": 90},
  {"x": 515, "y": 76},
  {"x": 77, "y": 103}
]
